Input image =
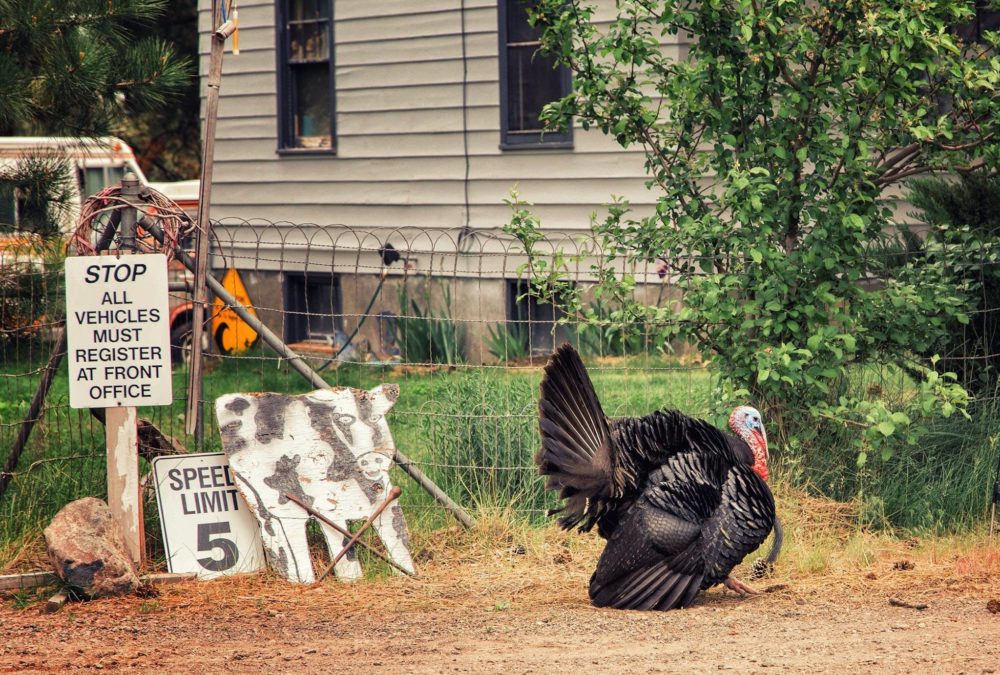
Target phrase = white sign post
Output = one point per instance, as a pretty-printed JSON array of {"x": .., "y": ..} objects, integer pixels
[
  {"x": 118, "y": 350},
  {"x": 118, "y": 331},
  {"x": 207, "y": 526}
]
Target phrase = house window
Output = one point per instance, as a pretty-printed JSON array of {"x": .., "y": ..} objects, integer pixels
[
  {"x": 986, "y": 19},
  {"x": 305, "y": 75},
  {"x": 313, "y": 307},
  {"x": 528, "y": 81},
  {"x": 533, "y": 320}
]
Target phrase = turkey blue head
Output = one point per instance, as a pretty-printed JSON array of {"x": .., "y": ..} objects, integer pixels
[{"x": 746, "y": 423}]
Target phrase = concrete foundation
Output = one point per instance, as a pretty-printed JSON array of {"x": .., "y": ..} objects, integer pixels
[{"x": 474, "y": 305}]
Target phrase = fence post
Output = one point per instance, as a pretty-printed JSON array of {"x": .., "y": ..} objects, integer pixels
[{"x": 121, "y": 430}]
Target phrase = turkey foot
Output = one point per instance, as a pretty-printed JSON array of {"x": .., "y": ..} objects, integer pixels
[{"x": 734, "y": 584}]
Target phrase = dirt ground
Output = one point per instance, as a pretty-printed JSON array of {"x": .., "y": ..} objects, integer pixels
[{"x": 523, "y": 608}]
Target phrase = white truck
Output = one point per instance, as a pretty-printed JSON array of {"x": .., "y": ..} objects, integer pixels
[{"x": 97, "y": 163}]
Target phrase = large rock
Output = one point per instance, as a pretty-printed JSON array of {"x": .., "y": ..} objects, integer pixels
[{"x": 88, "y": 549}]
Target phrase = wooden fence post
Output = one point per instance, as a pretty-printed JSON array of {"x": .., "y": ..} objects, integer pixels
[{"x": 121, "y": 424}]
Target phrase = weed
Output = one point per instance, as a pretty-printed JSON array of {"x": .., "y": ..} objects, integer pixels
[
  {"x": 426, "y": 338},
  {"x": 24, "y": 598},
  {"x": 508, "y": 341}
]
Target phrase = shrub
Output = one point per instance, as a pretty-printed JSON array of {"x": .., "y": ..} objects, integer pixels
[
  {"x": 483, "y": 433},
  {"x": 964, "y": 215},
  {"x": 771, "y": 145},
  {"x": 426, "y": 338}
]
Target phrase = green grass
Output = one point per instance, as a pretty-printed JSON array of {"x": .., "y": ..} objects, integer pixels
[
  {"x": 941, "y": 484},
  {"x": 473, "y": 430}
]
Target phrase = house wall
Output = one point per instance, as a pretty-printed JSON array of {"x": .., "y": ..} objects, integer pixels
[
  {"x": 407, "y": 148},
  {"x": 417, "y": 136}
]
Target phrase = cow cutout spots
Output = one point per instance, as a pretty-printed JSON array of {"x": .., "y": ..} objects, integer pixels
[{"x": 332, "y": 448}]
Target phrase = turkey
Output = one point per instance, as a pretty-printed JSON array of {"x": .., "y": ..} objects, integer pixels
[{"x": 679, "y": 502}]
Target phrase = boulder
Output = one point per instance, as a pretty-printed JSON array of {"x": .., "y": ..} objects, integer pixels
[{"x": 88, "y": 550}]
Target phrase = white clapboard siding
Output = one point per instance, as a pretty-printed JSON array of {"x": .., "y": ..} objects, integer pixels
[{"x": 417, "y": 129}]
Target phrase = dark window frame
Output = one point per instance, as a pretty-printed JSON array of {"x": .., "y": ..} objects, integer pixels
[
  {"x": 285, "y": 84},
  {"x": 513, "y": 140},
  {"x": 540, "y": 319},
  {"x": 297, "y": 305}
]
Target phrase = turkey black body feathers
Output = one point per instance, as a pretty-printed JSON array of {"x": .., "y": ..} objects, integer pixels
[{"x": 678, "y": 501}]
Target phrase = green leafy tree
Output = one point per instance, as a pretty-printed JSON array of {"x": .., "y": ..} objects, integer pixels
[
  {"x": 774, "y": 138},
  {"x": 76, "y": 68}
]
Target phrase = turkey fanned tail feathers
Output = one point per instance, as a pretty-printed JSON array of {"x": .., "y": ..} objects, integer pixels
[
  {"x": 576, "y": 443},
  {"x": 676, "y": 498}
]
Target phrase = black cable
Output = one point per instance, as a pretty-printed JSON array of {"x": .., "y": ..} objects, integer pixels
[
  {"x": 389, "y": 255},
  {"x": 466, "y": 227}
]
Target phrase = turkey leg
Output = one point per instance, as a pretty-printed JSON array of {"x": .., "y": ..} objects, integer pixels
[{"x": 734, "y": 584}]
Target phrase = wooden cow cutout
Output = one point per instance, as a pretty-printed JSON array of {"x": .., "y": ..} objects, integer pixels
[{"x": 332, "y": 449}]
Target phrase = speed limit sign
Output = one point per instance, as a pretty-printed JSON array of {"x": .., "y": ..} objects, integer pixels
[{"x": 207, "y": 526}]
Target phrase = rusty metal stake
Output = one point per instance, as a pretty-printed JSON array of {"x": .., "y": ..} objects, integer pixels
[
  {"x": 390, "y": 498},
  {"x": 323, "y": 519},
  {"x": 202, "y": 235}
]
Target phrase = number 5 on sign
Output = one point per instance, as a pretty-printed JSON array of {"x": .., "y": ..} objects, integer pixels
[{"x": 207, "y": 527}]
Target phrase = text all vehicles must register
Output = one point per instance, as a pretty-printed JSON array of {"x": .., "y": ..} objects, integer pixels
[{"x": 117, "y": 331}]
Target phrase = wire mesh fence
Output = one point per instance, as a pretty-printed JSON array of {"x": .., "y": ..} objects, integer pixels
[{"x": 448, "y": 315}]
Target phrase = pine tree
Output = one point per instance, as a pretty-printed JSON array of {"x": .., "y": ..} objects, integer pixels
[
  {"x": 77, "y": 67},
  {"x": 167, "y": 142}
]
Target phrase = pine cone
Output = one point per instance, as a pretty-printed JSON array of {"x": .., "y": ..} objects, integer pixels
[{"x": 761, "y": 568}]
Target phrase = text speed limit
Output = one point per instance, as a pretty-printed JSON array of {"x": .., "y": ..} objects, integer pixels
[{"x": 207, "y": 527}]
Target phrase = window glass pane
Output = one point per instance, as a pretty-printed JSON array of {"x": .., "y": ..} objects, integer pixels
[
  {"x": 313, "y": 304},
  {"x": 306, "y": 95},
  {"x": 301, "y": 10},
  {"x": 312, "y": 105},
  {"x": 308, "y": 41},
  {"x": 518, "y": 28},
  {"x": 8, "y": 205},
  {"x": 532, "y": 82},
  {"x": 93, "y": 180},
  {"x": 320, "y": 304}
]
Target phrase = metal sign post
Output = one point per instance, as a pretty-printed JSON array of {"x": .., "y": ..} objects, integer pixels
[{"x": 195, "y": 424}]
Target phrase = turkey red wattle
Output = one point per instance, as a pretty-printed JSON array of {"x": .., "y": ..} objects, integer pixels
[
  {"x": 746, "y": 423},
  {"x": 759, "y": 448}
]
